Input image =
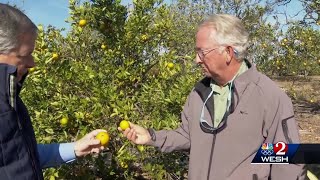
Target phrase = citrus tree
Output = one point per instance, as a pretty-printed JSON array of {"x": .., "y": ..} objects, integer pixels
[{"x": 115, "y": 63}]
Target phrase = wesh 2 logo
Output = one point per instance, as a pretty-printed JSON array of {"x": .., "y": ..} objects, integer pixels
[{"x": 272, "y": 154}]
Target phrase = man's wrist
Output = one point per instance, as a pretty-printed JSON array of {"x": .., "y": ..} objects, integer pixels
[
  {"x": 152, "y": 134},
  {"x": 67, "y": 152}
]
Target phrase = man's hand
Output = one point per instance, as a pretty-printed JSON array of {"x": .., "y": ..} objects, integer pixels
[
  {"x": 136, "y": 134},
  {"x": 88, "y": 144}
]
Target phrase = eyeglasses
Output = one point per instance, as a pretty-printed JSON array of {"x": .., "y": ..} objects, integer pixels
[
  {"x": 203, "y": 53},
  {"x": 204, "y": 123}
]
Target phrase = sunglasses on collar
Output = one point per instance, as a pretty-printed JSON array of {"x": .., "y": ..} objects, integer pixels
[{"x": 205, "y": 126}]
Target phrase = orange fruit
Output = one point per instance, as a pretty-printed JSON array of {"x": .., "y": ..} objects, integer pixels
[
  {"x": 124, "y": 165},
  {"x": 124, "y": 124},
  {"x": 55, "y": 56},
  {"x": 144, "y": 37},
  {"x": 31, "y": 70},
  {"x": 82, "y": 22},
  {"x": 140, "y": 148},
  {"x": 170, "y": 65},
  {"x": 103, "y": 137},
  {"x": 64, "y": 121}
]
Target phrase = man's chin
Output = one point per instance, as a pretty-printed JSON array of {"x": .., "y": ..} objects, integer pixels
[
  {"x": 207, "y": 74},
  {"x": 22, "y": 76}
]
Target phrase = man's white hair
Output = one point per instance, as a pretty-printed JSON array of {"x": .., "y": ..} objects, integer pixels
[{"x": 229, "y": 32}]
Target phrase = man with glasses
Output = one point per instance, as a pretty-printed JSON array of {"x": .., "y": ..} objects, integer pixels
[{"x": 229, "y": 113}]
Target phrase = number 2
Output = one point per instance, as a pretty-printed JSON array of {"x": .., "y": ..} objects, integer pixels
[{"x": 282, "y": 148}]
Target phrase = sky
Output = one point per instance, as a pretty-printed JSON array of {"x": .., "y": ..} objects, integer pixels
[
  {"x": 55, "y": 12},
  {"x": 45, "y": 12},
  {"x": 293, "y": 9}
]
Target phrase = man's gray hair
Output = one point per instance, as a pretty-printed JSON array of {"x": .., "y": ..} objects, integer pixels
[
  {"x": 229, "y": 32},
  {"x": 13, "y": 24}
]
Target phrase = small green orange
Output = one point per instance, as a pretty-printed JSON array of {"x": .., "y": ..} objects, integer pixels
[
  {"x": 170, "y": 65},
  {"x": 55, "y": 56},
  {"x": 64, "y": 121},
  {"x": 31, "y": 70},
  {"x": 124, "y": 165},
  {"x": 140, "y": 148},
  {"x": 103, "y": 46},
  {"x": 144, "y": 37}
]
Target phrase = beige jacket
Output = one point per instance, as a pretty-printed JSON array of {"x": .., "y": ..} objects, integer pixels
[{"x": 261, "y": 112}]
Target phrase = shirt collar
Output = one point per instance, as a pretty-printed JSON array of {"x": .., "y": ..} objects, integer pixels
[{"x": 242, "y": 69}]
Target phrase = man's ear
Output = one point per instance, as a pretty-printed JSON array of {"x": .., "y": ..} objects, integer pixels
[
  {"x": 229, "y": 54},
  {"x": 229, "y": 50},
  {"x": 233, "y": 53}
]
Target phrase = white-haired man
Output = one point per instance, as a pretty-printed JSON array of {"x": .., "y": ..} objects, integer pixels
[{"x": 229, "y": 113}]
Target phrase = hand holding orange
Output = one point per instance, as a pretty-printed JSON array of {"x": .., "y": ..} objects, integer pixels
[
  {"x": 103, "y": 137},
  {"x": 124, "y": 124}
]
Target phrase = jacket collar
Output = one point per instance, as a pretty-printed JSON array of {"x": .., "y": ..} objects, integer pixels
[
  {"x": 243, "y": 80},
  {"x": 5, "y": 71},
  {"x": 9, "y": 69},
  {"x": 240, "y": 84},
  {"x": 203, "y": 89}
]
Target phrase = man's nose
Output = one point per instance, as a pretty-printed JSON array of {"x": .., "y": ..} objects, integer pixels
[
  {"x": 197, "y": 59},
  {"x": 31, "y": 62}
]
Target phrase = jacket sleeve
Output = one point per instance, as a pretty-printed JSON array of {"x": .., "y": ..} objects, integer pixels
[
  {"x": 51, "y": 155},
  {"x": 178, "y": 139},
  {"x": 284, "y": 128}
]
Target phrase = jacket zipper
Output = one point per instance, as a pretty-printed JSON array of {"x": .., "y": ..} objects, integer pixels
[
  {"x": 32, "y": 158},
  {"x": 13, "y": 96},
  {"x": 211, "y": 156},
  {"x": 19, "y": 123},
  {"x": 254, "y": 177}
]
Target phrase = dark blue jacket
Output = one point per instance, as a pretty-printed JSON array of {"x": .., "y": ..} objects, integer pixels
[{"x": 18, "y": 151}]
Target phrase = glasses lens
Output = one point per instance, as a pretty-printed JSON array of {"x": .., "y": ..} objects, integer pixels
[
  {"x": 209, "y": 129},
  {"x": 200, "y": 54},
  {"x": 206, "y": 127}
]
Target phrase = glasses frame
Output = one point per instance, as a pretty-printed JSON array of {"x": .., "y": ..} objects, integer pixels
[
  {"x": 207, "y": 51},
  {"x": 202, "y": 53}
]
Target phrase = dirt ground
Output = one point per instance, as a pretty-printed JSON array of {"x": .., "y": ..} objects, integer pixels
[{"x": 305, "y": 94}]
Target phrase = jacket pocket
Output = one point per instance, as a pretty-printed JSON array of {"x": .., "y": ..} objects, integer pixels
[
  {"x": 254, "y": 177},
  {"x": 8, "y": 125},
  {"x": 4, "y": 108},
  {"x": 10, "y": 138},
  {"x": 285, "y": 129}
]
